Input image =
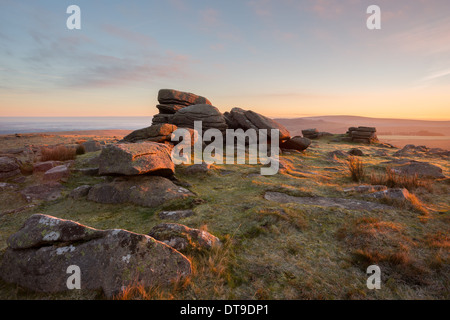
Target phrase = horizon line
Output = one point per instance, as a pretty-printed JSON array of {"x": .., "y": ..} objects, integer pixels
[{"x": 276, "y": 117}]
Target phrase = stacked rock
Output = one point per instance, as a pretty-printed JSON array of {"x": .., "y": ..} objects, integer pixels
[
  {"x": 363, "y": 134},
  {"x": 179, "y": 109}
]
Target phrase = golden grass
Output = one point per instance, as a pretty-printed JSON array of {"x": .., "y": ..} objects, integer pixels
[{"x": 276, "y": 251}]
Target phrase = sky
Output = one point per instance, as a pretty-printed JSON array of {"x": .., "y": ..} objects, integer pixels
[{"x": 281, "y": 58}]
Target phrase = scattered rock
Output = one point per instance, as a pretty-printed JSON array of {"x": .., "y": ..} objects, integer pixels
[
  {"x": 356, "y": 152},
  {"x": 314, "y": 134},
  {"x": 175, "y": 215},
  {"x": 183, "y": 238},
  {"x": 9, "y": 167},
  {"x": 381, "y": 153},
  {"x": 412, "y": 150},
  {"x": 39, "y": 254},
  {"x": 399, "y": 194},
  {"x": 136, "y": 158},
  {"x": 197, "y": 168},
  {"x": 87, "y": 171},
  {"x": 80, "y": 192},
  {"x": 146, "y": 191}
]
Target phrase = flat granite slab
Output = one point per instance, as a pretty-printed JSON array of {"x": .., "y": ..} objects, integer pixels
[{"x": 350, "y": 204}]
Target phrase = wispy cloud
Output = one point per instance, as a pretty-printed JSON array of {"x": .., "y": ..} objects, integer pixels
[{"x": 437, "y": 75}]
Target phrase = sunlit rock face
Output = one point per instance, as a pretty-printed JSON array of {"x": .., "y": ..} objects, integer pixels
[{"x": 136, "y": 159}]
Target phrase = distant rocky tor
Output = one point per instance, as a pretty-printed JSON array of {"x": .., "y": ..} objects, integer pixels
[{"x": 363, "y": 134}]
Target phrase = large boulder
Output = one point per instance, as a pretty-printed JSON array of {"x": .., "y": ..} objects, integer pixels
[
  {"x": 136, "y": 158},
  {"x": 209, "y": 115},
  {"x": 251, "y": 120},
  {"x": 146, "y": 191},
  {"x": 156, "y": 133},
  {"x": 183, "y": 238},
  {"x": 174, "y": 97},
  {"x": 39, "y": 254},
  {"x": 421, "y": 169},
  {"x": 9, "y": 167}
]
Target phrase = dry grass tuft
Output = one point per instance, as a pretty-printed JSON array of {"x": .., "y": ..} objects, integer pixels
[
  {"x": 59, "y": 153},
  {"x": 80, "y": 150}
]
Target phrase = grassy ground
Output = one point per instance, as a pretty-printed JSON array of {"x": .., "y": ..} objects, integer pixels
[{"x": 279, "y": 251}]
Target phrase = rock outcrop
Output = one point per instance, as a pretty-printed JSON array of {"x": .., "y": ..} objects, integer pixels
[
  {"x": 39, "y": 254},
  {"x": 363, "y": 134}
]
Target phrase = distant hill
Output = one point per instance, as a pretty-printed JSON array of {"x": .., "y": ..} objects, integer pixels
[{"x": 340, "y": 124}]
